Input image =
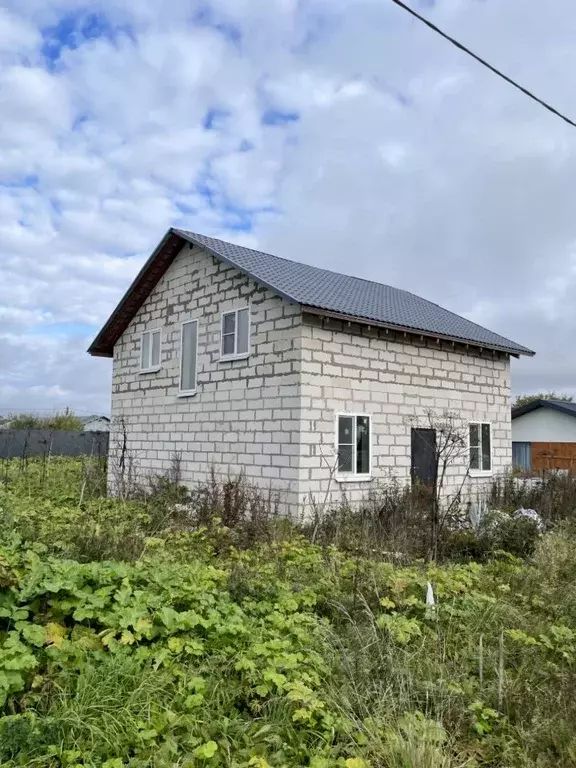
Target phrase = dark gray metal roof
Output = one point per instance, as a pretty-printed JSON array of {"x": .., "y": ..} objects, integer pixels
[
  {"x": 555, "y": 405},
  {"x": 314, "y": 289},
  {"x": 352, "y": 297}
]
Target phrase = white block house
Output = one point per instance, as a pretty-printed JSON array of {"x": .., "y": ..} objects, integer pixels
[{"x": 313, "y": 383}]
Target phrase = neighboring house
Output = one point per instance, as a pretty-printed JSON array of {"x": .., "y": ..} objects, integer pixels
[
  {"x": 96, "y": 424},
  {"x": 312, "y": 382},
  {"x": 544, "y": 435}
]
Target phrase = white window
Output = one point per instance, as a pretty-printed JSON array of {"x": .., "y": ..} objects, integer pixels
[
  {"x": 188, "y": 357},
  {"x": 354, "y": 446},
  {"x": 150, "y": 351},
  {"x": 480, "y": 448},
  {"x": 235, "y": 334}
]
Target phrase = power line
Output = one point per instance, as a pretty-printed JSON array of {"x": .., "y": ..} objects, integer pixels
[{"x": 484, "y": 63}]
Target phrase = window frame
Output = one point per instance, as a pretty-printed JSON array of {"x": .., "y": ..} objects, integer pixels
[
  {"x": 150, "y": 368},
  {"x": 188, "y": 392},
  {"x": 235, "y": 355},
  {"x": 354, "y": 476},
  {"x": 480, "y": 472}
]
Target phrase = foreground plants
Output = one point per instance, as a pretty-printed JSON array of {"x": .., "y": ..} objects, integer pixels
[{"x": 188, "y": 651}]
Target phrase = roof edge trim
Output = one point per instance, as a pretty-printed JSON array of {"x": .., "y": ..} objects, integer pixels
[
  {"x": 514, "y": 351},
  {"x": 536, "y": 404},
  {"x": 122, "y": 315}
]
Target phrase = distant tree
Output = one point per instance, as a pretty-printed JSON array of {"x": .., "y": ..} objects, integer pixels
[
  {"x": 66, "y": 419},
  {"x": 24, "y": 421},
  {"x": 525, "y": 399}
]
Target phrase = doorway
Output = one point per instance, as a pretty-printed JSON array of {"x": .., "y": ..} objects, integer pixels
[{"x": 423, "y": 465}]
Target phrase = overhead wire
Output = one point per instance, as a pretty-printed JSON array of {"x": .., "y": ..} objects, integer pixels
[{"x": 485, "y": 63}]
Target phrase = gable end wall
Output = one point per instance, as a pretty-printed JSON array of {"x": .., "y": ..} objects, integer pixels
[{"x": 245, "y": 416}]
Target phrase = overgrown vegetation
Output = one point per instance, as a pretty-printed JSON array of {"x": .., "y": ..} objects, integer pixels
[
  {"x": 202, "y": 630},
  {"x": 556, "y": 396},
  {"x": 66, "y": 419}
]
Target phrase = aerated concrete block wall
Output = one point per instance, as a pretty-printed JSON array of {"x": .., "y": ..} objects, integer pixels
[
  {"x": 399, "y": 381},
  {"x": 272, "y": 416},
  {"x": 245, "y": 416}
]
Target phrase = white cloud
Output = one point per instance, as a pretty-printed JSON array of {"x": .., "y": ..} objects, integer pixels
[
  {"x": 387, "y": 153},
  {"x": 17, "y": 36}
]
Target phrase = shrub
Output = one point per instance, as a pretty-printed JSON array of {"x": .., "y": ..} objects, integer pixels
[
  {"x": 247, "y": 512},
  {"x": 66, "y": 419},
  {"x": 391, "y": 522},
  {"x": 498, "y": 532},
  {"x": 552, "y": 495}
]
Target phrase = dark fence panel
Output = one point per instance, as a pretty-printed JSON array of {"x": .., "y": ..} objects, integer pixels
[{"x": 23, "y": 443}]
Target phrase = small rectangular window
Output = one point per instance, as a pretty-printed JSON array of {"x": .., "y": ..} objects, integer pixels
[
  {"x": 188, "y": 357},
  {"x": 150, "y": 351},
  {"x": 345, "y": 443},
  {"x": 362, "y": 445},
  {"x": 236, "y": 333},
  {"x": 354, "y": 444},
  {"x": 480, "y": 447},
  {"x": 243, "y": 327},
  {"x": 522, "y": 456}
]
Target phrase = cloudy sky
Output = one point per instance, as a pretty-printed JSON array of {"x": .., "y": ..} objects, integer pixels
[{"x": 342, "y": 133}]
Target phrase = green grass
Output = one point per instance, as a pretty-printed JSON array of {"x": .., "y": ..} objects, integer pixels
[{"x": 129, "y": 639}]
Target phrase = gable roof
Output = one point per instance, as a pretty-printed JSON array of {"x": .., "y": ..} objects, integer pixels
[
  {"x": 556, "y": 405},
  {"x": 313, "y": 288}
]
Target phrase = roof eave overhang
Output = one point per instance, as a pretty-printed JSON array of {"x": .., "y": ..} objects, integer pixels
[
  {"x": 522, "y": 410},
  {"x": 141, "y": 287},
  {"x": 514, "y": 352},
  {"x": 163, "y": 256},
  {"x": 145, "y": 282}
]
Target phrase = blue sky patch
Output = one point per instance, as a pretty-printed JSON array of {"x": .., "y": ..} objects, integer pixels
[
  {"x": 205, "y": 17},
  {"x": 206, "y": 186},
  {"x": 279, "y": 117},
  {"x": 237, "y": 219},
  {"x": 25, "y": 182},
  {"x": 185, "y": 210},
  {"x": 79, "y": 122},
  {"x": 316, "y": 26},
  {"x": 214, "y": 119},
  {"x": 233, "y": 217},
  {"x": 74, "y": 29}
]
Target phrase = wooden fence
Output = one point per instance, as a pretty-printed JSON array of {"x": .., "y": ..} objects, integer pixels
[{"x": 554, "y": 456}]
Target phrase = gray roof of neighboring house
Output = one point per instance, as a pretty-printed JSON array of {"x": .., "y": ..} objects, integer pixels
[
  {"x": 94, "y": 417},
  {"x": 312, "y": 287},
  {"x": 555, "y": 405}
]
